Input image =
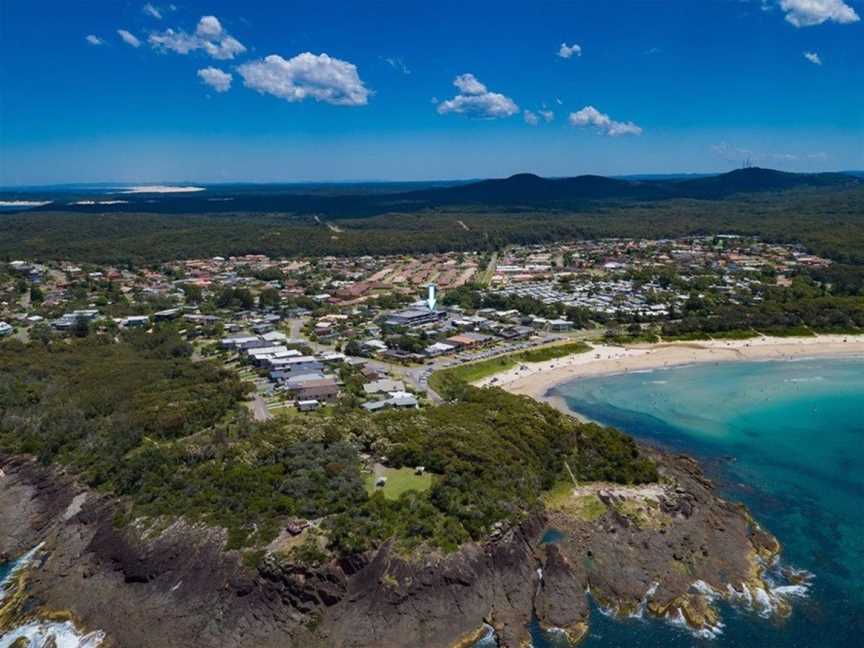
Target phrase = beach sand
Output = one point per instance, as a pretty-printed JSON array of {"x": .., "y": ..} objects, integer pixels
[{"x": 537, "y": 379}]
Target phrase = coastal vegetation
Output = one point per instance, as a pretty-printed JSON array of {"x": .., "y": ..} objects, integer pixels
[
  {"x": 474, "y": 371},
  {"x": 804, "y": 309},
  {"x": 168, "y": 436}
]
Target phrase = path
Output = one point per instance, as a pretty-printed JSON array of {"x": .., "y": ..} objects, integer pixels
[{"x": 259, "y": 409}]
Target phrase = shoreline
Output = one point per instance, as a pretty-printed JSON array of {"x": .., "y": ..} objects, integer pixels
[{"x": 539, "y": 379}]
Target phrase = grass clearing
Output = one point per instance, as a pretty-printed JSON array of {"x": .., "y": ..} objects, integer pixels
[
  {"x": 474, "y": 371},
  {"x": 399, "y": 480},
  {"x": 585, "y": 507}
]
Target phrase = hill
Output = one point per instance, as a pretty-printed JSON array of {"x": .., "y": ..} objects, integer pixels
[
  {"x": 530, "y": 189},
  {"x": 518, "y": 191},
  {"x": 755, "y": 179}
]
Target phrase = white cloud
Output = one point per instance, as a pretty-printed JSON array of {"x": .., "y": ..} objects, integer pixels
[
  {"x": 397, "y": 64},
  {"x": 209, "y": 36},
  {"x": 813, "y": 57},
  {"x": 129, "y": 38},
  {"x": 306, "y": 76},
  {"x": 469, "y": 85},
  {"x": 806, "y": 13},
  {"x": 152, "y": 11},
  {"x": 732, "y": 153},
  {"x": 176, "y": 41},
  {"x": 226, "y": 48},
  {"x": 94, "y": 40},
  {"x": 475, "y": 100},
  {"x": 590, "y": 116},
  {"x": 217, "y": 79},
  {"x": 569, "y": 51},
  {"x": 209, "y": 28},
  {"x": 728, "y": 151},
  {"x": 533, "y": 118}
]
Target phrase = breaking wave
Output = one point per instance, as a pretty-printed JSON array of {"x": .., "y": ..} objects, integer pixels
[{"x": 38, "y": 633}]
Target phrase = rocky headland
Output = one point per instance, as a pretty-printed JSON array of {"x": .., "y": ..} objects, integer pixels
[{"x": 670, "y": 550}]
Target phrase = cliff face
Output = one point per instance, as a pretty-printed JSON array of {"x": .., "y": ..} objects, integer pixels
[{"x": 634, "y": 549}]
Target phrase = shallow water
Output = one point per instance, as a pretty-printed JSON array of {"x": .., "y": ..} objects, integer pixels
[
  {"x": 787, "y": 439},
  {"x": 39, "y": 633}
]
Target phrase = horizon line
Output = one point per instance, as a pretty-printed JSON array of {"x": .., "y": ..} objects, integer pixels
[{"x": 130, "y": 183}]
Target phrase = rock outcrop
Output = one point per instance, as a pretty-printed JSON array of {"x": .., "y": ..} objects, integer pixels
[{"x": 670, "y": 550}]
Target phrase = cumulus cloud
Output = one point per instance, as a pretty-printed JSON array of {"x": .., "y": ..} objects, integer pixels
[
  {"x": 129, "y": 38},
  {"x": 468, "y": 84},
  {"x": 590, "y": 116},
  {"x": 217, "y": 79},
  {"x": 152, "y": 11},
  {"x": 547, "y": 115},
  {"x": 806, "y": 13},
  {"x": 209, "y": 28},
  {"x": 306, "y": 76},
  {"x": 209, "y": 36},
  {"x": 94, "y": 40},
  {"x": 475, "y": 100},
  {"x": 569, "y": 51},
  {"x": 813, "y": 57}
]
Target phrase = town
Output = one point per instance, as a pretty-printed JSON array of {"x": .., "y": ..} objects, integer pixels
[{"x": 367, "y": 332}]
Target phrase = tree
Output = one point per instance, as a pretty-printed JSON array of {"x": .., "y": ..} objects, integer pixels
[
  {"x": 235, "y": 299},
  {"x": 269, "y": 298},
  {"x": 193, "y": 293},
  {"x": 36, "y": 295},
  {"x": 81, "y": 327}
]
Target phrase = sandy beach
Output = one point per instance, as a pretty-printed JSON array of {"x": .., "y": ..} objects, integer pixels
[{"x": 536, "y": 379}]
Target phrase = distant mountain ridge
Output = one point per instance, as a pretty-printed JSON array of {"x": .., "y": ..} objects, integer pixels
[
  {"x": 517, "y": 191},
  {"x": 532, "y": 189}
]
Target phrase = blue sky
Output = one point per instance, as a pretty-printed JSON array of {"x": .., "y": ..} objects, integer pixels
[{"x": 404, "y": 90}]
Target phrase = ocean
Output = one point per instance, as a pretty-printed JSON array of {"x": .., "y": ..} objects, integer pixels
[
  {"x": 784, "y": 437},
  {"x": 787, "y": 439}
]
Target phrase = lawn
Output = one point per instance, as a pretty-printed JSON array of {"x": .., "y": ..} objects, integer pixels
[
  {"x": 399, "y": 480},
  {"x": 475, "y": 371},
  {"x": 552, "y": 352}
]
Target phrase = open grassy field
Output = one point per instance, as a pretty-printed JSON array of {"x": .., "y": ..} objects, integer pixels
[{"x": 399, "y": 480}]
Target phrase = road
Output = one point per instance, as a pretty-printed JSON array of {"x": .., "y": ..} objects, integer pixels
[
  {"x": 259, "y": 409},
  {"x": 490, "y": 269}
]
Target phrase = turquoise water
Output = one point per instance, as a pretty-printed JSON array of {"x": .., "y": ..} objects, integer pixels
[
  {"x": 551, "y": 536},
  {"x": 787, "y": 439}
]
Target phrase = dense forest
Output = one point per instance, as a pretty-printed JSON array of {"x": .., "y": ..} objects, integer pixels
[
  {"x": 169, "y": 436},
  {"x": 829, "y": 221}
]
